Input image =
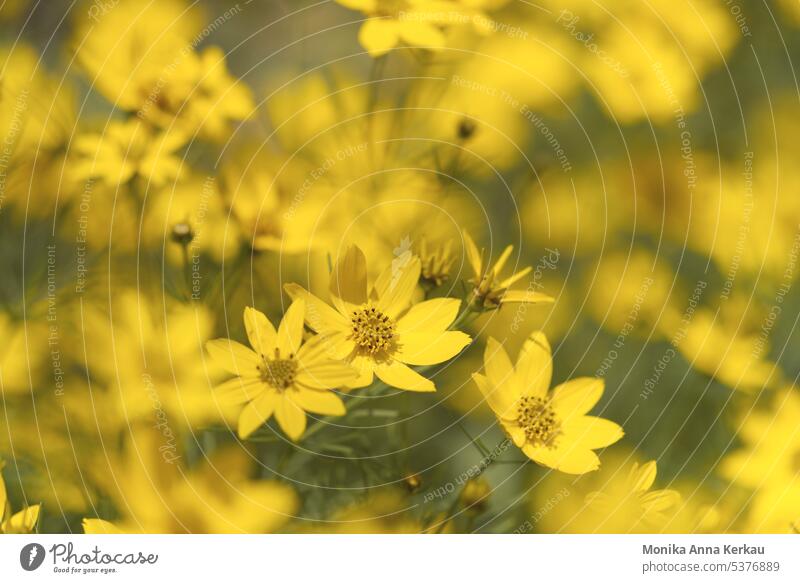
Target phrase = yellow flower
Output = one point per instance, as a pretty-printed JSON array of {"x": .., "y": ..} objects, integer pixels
[
  {"x": 415, "y": 23},
  {"x": 21, "y": 522},
  {"x": 378, "y": 331},
  {"x": 490, "y": 291},
  {"x": 628, "y": 506},
  {"x": 771, "y": 445},
  {"x": 436, "y": 262},
  {"x": 280, "y": 375},
  {"x": 127, "y": 149},
  {"x": 217, "y": 496},
  {"x": 552, "y": 429}
]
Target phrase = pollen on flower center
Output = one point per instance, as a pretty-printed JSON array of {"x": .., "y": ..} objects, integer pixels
[
  {"x": 279, "y": 373},
  {"x": 539, "y": 421},
  {"x": 373, "y": 330}
]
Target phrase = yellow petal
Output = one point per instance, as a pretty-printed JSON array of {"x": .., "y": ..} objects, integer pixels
[
  {"x": 234, "y": 357},
  {"x": 365, "y": 6},
  {"x": 398, "y": 375},
  {"x": 23, "y": 521},
  {"x": 577, "y": 397},
  {"x": 509, "y": 281},
  {"x": 525, "y": 297},
  {"x": 378, "y": 36},
  {"x": 499, "y": 369},
  {"x": 291, "y": 418},
  {"x": 319, "y": 316},
  {"x": 365, "y": 368},
  {"x": 256, "y": 413},
  {"x": 290, "y": 332},
  {"x": 501, "y": 261},
  {"x": 660, "y": 500},
  {"x": 534, "y": 370},
  {"x": 429, "y": 316},
  {"x": 400, "y": 287},
  {"x": 643, "y": 477},
  {"x": 239, "y": 390},
  {"x": 324, "y": 347},
  {"x": 424, "y": 349},
  {"x": 591, "y": 432},
  {"x": 326, "y": 375},
  {"x": 349, "y": 278},
  {"x": 260, "y": 332},
  {"x": 473, "y": 255},
  {"x": 319, "y": 402},
  {"x": 574, "y": 460},
  {"x": 3, "y": 494},
  {"x": 502, "y": 402}
]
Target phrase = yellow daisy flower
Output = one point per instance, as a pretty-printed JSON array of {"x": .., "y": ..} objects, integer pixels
[
  {"x": 21, "y": 522},
  {"x": 490, "y": 291},
  {"x": 378, "y": 331},
  {"x": 552, "y": 429},
  {"x": 415, "y": 23},
  {"x": 280, "y": 374},
  {"x": 126, "y": 149},
  {"x": 629, "y": 506}
]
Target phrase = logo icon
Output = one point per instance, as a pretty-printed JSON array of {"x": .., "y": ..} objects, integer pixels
[{"x": 31, "y": 556}]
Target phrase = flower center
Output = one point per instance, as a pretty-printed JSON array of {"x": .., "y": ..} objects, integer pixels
[
  {"x": 373, "y": 331},
  {"x": 539, "y": 421},
  {"x": 279, "y": 373}
]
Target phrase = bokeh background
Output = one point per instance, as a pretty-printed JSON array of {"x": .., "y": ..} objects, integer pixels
[{"x": 165, "y": 164}]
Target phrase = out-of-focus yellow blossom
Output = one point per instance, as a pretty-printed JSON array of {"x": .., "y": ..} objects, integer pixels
[
  {"x": 718, "y": 344},
  {"x": 435, "y": 262},
  {"x": 414, "y": 23},
  {"x": 21, "y": 522},
  {"x": 628, "y": 505},
  {"x": 632, "y": 292},
  {"x": 150, "y": 358},
  {"x": 385, "y": 512},
  {"x": 377, "y": 329},
  {"x": 475, "y": 495},
  {"x": 281, "y": 374},
  {"x": 775, "y": 509},
  {"x": 771, "y": 444},
  {"x": 190, "y": 213},
  {"x": 272, "y": 211},
  {"x": 218, "y": 497},
  {"x": 127, "y": 149},
  {"x": 551, "y": 428},
  {"x": 489, "y": 290},
  {"x": 23, "y": 353}
]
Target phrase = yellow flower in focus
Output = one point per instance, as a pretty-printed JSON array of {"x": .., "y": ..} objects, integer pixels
[
  {"x": 629, "y": 506},
  {"x": 21, "y": 522},
  {"x": 552, "y": 429},
  {"x": 414, "y": 23},
  {"x": 280, "y": 375},
  {"x": 490, "y": 291},
  {"x": 128, "y": 149},
  {"x": 377, "y": 330}
]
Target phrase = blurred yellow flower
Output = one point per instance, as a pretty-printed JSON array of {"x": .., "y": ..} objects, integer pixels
[
  {"x": 21, "y": 522},
  {"x": 552, "y": 429},
  {"x": 628, "y": 505},
  {"x": 281, "y": 375},
  {"x": 128, "y": 149},
  {"x": 489, "y": 290},
  {"x": 377, "y": 330}
]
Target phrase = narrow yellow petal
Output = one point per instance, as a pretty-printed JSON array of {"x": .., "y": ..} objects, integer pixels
[
  {"x": 422, "y": 348},
  {"x": 534, "y": 370},
  {"x": 291, "y": 418},
  {"x": 501, "y": 401},
  {"x": 290, "y": 331},
  {"x": 349, "y": 277},
  {"x": 525, "y": 297},
  {"x": 378, "y": 36},
  {"x": 473, "y": 255},
  {"x": 591, "y": 432},
  {"x": 260, "y": 332},
  {"x": 319, "y": 402},
  {"x": 660, "y": 500},
  {"x": 239, "y": 390},
  {"x": 319, "y": 316},
  {"x": 99, "y": 526},
  {"x": 429, "y": 316},
  {"x": 326, "y": 375},
  {"x": 499, "y": 369},
  {"x": 643, "y": 477},
  {"x": 396, "y": 297},
  {"x": 234, "y": 357},
  {"x": 256, "y": 413},
  {"x": 397, "y": 374},
  {"x": 577, "y": 397},
  {"x": 23, "y": 521}
]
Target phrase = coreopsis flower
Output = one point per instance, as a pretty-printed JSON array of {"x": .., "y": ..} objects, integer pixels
[
  {"x": 21, "y": 522},
  {"x": 489, "y": 290},
  {"x": 771, "y": 444},
  {"x": 436, "y": 262},
  {"x": 551, "y": 427},
  {"x": 629, "y": 506},
  {"x": 414, "y": 23},
  {"x": 377, "y": 329},
  {"x": 127, "y": 149},
  {"x": 280, "y": 374}
]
